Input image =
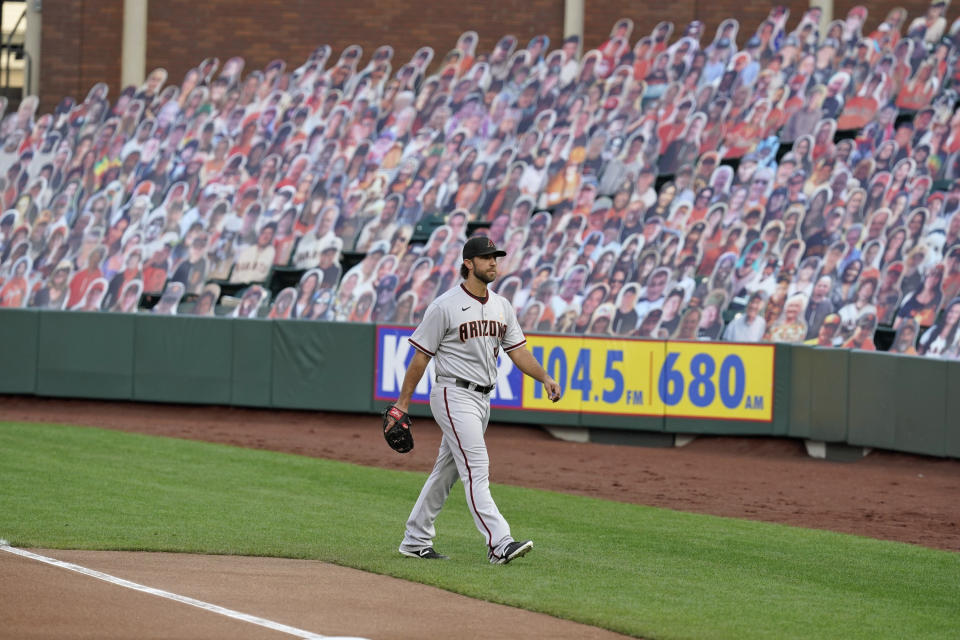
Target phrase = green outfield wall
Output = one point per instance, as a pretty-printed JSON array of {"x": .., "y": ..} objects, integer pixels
[{"x": 862, "y": 399}]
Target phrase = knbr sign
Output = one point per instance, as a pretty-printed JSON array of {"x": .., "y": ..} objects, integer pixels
[
  {"x": 712, "y": 380},
  {"x": 394, "y": 353}
]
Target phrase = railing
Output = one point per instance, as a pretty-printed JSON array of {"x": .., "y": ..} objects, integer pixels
[{"x": 18, "y": 51}]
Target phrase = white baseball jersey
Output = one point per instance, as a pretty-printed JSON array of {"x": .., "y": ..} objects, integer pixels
[{"x": 464, "y": 334}]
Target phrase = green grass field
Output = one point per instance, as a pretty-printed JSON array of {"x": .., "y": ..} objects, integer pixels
[{"x": 637, "y": 570}]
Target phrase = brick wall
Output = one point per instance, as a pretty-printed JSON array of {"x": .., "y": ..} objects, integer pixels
[
  {"x": 81, "y": 39},
  {"x": 80, "y": 46},
  {"x": 268, "y": 29}
]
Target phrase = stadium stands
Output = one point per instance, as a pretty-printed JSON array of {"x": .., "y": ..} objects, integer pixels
[{"x": 799, "y": 187}]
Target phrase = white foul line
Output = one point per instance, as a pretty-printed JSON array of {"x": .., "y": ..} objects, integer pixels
[{"x": 237, "y": 615}]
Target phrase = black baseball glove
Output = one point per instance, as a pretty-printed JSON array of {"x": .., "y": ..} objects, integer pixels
[{"x": 396, "y": 429}]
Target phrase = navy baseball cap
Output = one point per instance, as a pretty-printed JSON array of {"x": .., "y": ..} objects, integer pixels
[{"x": 481, "y": 246}]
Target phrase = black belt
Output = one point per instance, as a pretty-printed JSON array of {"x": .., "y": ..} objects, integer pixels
[
  {"x": 472, "y": 386},
  {"x": 463, "y": 384}
]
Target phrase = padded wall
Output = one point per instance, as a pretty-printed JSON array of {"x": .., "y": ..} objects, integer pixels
[
  {"x": 19, "y": 334},
  {"x": 873, "y": 404},
  {"x": 903, "y": 403},
  {"x": 828, "y": 395},
  {"x": 859, "y": 398},
  {"x": 326, "y": 366},
  {"x": 951, "y": 444},
  {"x": 86, "y": 355},
  {"x": 801, "y": 382},
  {"x": 921, "y": 405},
  {"x": 252, "y": 365},
  {"x": 185, "y": 359}
]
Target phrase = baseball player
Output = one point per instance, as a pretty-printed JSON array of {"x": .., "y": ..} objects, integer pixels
[{"x": 463, "y": 330}]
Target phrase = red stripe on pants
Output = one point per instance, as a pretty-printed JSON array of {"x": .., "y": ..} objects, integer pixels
[{"x": 466, "y": 463}]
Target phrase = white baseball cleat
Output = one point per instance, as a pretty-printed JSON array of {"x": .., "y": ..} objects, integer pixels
[{"x": 514, "y": 550}]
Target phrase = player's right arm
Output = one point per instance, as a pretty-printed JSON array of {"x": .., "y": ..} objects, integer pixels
[
  {"x": 425, "y": 342},
  {"x": 411, "y": 379}
]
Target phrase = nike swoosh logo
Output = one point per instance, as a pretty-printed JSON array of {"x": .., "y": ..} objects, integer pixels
[{"x": 464, "y": 308}]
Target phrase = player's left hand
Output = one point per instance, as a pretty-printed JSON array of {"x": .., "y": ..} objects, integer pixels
[
  {"x": 396, "y": 429},
  {"x": 553, "y": 389}
]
